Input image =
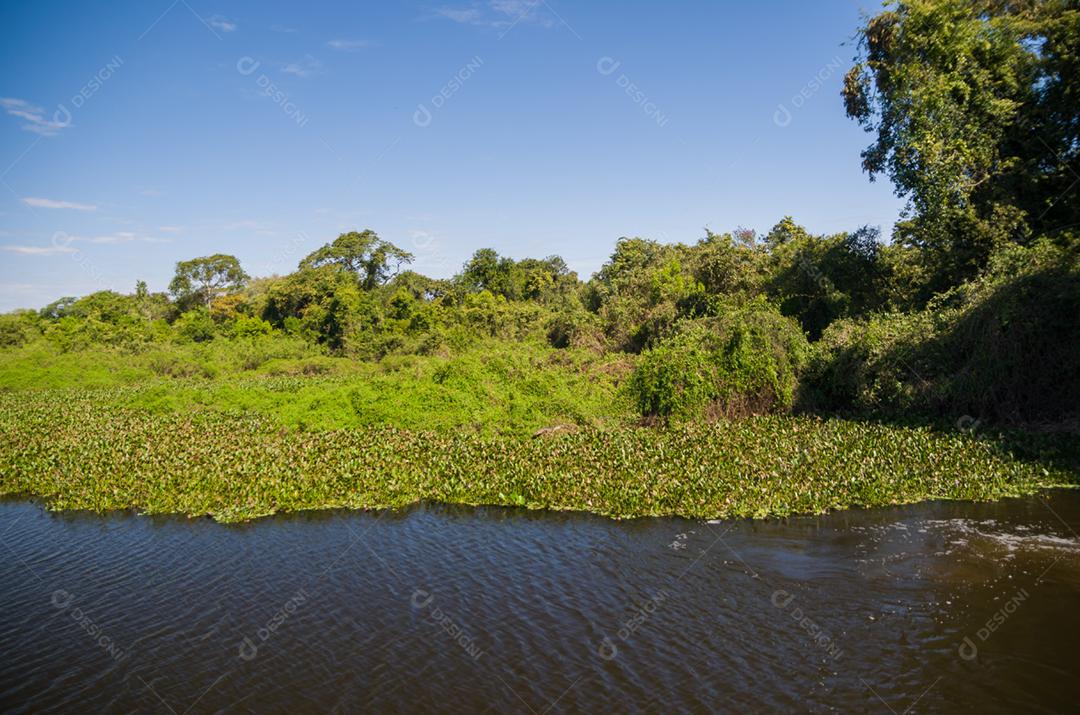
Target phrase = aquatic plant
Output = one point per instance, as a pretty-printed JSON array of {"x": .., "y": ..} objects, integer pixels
[{"x": 77, "y": 450}]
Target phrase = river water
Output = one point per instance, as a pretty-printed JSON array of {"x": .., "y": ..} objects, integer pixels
[{"x": 937, "y": 607}]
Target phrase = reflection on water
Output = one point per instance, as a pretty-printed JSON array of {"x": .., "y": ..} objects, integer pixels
[{"x": 929, "y": 608}]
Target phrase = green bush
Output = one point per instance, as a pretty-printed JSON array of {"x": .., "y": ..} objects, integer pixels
[
  {"x": 175, "y": 365},
  {"x": 196, "y": 325},
  {"x": 879, "y": 365},
  {"x": 574, "y": 328},
  {"x": 249, "y": 327},
  {"x": 17, "y": 329},
  {"x": 1004, "y": 347},
  {"x": 253, "y": 352},
  {"x": 744, "y": 361}
]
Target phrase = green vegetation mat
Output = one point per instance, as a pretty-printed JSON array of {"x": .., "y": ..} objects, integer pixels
[{"x": 78, "y": 450}]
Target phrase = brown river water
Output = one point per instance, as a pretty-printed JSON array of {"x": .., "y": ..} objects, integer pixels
[{"x": 938, "y": 607}]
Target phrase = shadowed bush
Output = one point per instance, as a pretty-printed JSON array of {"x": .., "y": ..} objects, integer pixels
[{"x": 1005, "y": 347}]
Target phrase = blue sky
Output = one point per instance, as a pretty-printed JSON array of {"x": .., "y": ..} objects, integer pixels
[{"x": 137, "y": 134}]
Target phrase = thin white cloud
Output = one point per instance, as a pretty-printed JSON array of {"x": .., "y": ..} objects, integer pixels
[
  {"x": 348, "y": 45},
  {"x": 38, "y": 250},
  {"x": 111, "y": 238},
  {"x": 40, "y": 203},
  {"x": 17, "y": 288},
  {"x": 466, "y": 16},
  {"x": 34, "y": 116},
  {"x": 499, "y": 13},
  {"x": 119, "y": 237},
  {"x": 170, "y": 229},
  {"x": 221, "y": 23},
  {"x": 303, "y": 68}
]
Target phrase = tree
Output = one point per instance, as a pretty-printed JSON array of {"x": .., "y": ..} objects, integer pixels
[
  {"x": 485, "y": 271},
  {"x": 202, "y": 280},
  {"x": 58, "y": 308},
  {"x": 373, "y": 260},
  {"x": 974, "y": 111},
  {"x": 326, "y": 301},
  {"x": 727, "y": 264},
  {"x": 818, "y": 279},
  {"x": 784, "y": 232},
  {"x": 420, "y": 286}
]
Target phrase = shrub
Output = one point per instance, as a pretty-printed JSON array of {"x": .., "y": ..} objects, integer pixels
[
  {"x": 319, "y": 365},
  {"x": 744, "y": 361},
  {"x": 253, "y": 352},
  {"x": 877, "y": 365},
  {"x": 17, "y": 328},
  {"x": 195, "y": 325},
  {"x": 178, "y": 366},
  {"x": 1004, "y": 347},
  {"x": 574, "y": 328},
  {"x": 248, "y": 327}
]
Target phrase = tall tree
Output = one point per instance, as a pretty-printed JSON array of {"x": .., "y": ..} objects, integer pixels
[
  {"x": 204, "y": 279},
  {"x": 975, "y": 108},
  {"x": 373, "y": 260}
]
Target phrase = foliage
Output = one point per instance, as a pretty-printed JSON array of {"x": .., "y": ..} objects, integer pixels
[
  {"x": 973, "y": 107},
  {"x": 77, "y": 451},
  {"x": 819, "y": 279},
  {"x": 529, "y": 279},
  {"x": 18, "y": 328},
  {"x": 196, "y": 325},
  {"x": 313, "y": 390},
  {"x": 201, "y": 280},
  {"x": 720, "y": 325},
  {"x": 363, "y": 254},
  {"x": 1001, "y": 348},
  {"x": 743, "y": 361},
  {"x": 491, "y": 389}
]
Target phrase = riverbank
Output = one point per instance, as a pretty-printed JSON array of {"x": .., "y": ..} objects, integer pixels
[{"x": 77, "y": 449}]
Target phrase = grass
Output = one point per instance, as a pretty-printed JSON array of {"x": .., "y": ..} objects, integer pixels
[
  {"x": 491, "y": 388},
  {"x": 102, "y": 450},
  {"x": 492, "y": 395}
]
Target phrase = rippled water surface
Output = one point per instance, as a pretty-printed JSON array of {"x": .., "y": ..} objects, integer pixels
[{"x": 931, "y": 608}]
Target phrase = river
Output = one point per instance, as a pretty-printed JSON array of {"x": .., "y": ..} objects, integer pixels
[{"x": 937, "y": 607}]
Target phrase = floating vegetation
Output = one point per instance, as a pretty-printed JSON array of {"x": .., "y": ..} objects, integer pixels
[{"x": 78, "y": 449}]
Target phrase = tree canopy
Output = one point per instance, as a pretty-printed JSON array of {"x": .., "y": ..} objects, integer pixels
[
  {"x": 203, "y": 279},
  {"x": 373, "y": 260},
  {"x": 975, "y": 110}
]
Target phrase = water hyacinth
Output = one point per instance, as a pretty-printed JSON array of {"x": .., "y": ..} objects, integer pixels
[{"x": 77, "y": 449}]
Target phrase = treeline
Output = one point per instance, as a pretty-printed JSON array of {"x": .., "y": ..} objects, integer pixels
[
  {"x": 971, "y": 311},
  {"x": 733, "y": 324}
]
